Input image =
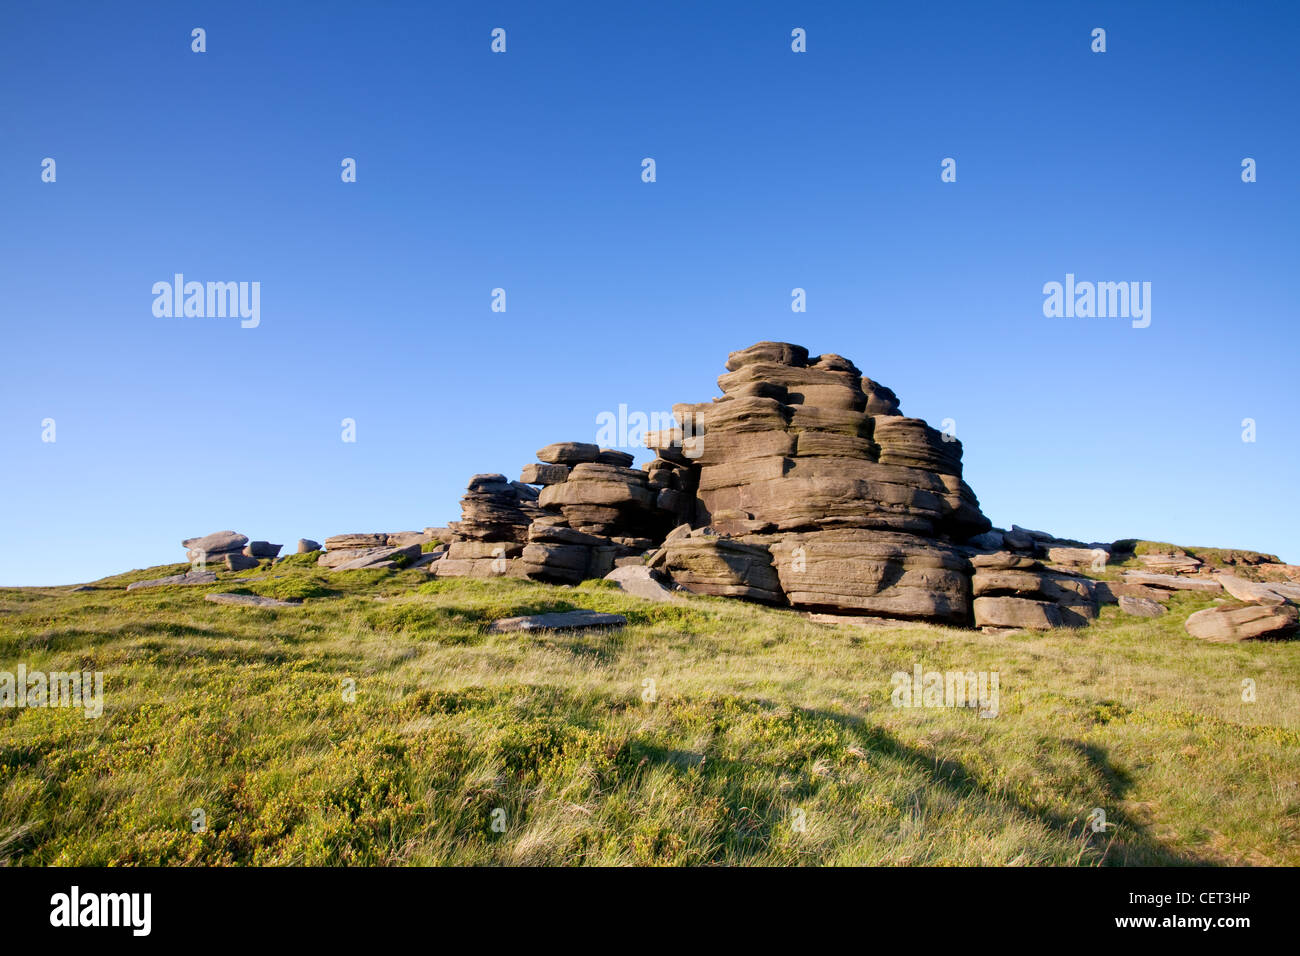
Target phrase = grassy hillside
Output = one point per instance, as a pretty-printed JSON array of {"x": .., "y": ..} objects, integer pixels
[{"x": 771, "y": 739}]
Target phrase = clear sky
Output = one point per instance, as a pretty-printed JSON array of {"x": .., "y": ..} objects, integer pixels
[{"x": 523, "y": 171}]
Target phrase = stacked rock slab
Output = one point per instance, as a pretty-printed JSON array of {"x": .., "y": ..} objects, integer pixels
[
  {"x": 222, "y": 547},
  {"x": 1014, "y": 591},
  {"x": 489, "y": 539},
  {"x": 355, "y": 552},
  {"x": 600, "y": 510},
  {"x": 593, "y": 510},
  {"x": 858, "y": 508}
]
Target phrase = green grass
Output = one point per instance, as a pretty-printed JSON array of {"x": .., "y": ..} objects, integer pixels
[{"x": 761, "y": 719}]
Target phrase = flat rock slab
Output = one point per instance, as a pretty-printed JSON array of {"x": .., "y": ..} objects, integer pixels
[
  {"x": 1140, "y": 606},
  {"x": 189, "y": 577},
  {"x": 249, "y": 600},
  {"x": 560, "y": 621},
  {"x": 1258, "y": 592},
  {"x": 1172, "y": 582}
]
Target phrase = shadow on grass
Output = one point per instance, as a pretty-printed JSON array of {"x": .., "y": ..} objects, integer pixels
[
  {"x": 754, "y": 816},
  {"x": 1141, "y": 848}
]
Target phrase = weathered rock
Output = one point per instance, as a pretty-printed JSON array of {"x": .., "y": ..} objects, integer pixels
[
  {"x": 1171, "y": 582},
  {"x": 805, "y": 485},
  {"x": 219, "y": 542},
  {"x": 988, "y": 541},
  {"x": 214, "y": 547},
  {"x": 307, "y": 546},
  {"x": 494, "y": 509},
  {"x": 402, "y": 539},
  {"x": 189, "y": 577},
  {"x": 552, "y": 529},
  {"x": 1258, "y": 592},
  {"x": 569, "y": 453},
  {"x": 1072, "y": 594},
  {"x": 1227, "y": 623},
  {"x": 1004, "y": 561},
  {"x": 449, "y": 567},
  {"x": 881, "y": 573},
  {"x": 483, "y": 550},
  {"x": 724, "y": 567},
  {"x": 250, "y": 600},
  {"x": 1017, "y": 540},
  {"x": 642, "y": 582},
  {"x": 262, "y": 549},
  {"x": 783, "y": 353},
  {"x": 538, "y": 474},
  {"x": 1093, "y": 559},
  {"x": 914, "y": 444},
  {"x": 1174, "y": 563},
  {"x": 1140, "y": 606},
  {"x": 240, "y": 562},
  {"x": 1109, "y": 592},
  {"x": 371, "y": 558},
  {"x": 564, "y": 620},
  {"x": 1018, "y": 613},
  {"x": 564, "y": 563},
  {"x": 880, "y": 400},
  {"x": 352, "y": 542},
  {"x": 611, "y": 456}
]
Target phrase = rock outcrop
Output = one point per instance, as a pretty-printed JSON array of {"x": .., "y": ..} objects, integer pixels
[
  {"x": 592, "y": 510},
  {"x": 802, "y": 485}
]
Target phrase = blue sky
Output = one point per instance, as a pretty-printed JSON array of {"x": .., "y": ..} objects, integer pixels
[{"x": 522, "y": 170}]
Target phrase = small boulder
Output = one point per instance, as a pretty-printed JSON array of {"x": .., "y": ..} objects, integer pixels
[
  {"x": 307, "y": 546},
  {"x": 1140, "y": 606},
  {"x": 640, "y": 581}
]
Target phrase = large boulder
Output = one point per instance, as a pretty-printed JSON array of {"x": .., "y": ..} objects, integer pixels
[
  {"x": 874, "y": 572},
  {"x": 710, "y": 564},
  {"x": 1228, "y": 623},
  {"x": 214, "y": 547},
  {"x": 1017, "y": 614}
]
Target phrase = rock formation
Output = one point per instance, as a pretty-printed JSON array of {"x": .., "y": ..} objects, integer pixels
[{"x": 804, "y": 485}]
